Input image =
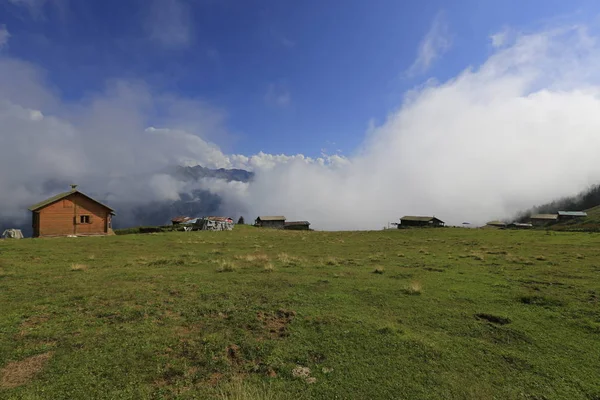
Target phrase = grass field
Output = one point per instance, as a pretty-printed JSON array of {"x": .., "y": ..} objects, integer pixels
[{"x": 260, "y": 314}]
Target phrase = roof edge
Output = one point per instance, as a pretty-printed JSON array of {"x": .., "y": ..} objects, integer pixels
[{"x": 61, "y": 196}]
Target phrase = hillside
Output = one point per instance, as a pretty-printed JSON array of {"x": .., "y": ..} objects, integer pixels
[
  {"x": 585, "y": 200},
  {"x": 264, "y": 314},
  {"x": 593, "y": 215}
]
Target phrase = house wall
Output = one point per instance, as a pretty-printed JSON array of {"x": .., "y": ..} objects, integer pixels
[
  {"x": 63, "y": 218},
  {"x": 297, "y": 227},
  {"x": 434, "y": 223},
  {"x": 569, "y": 217},
  {"x": 541, "y": 222},
  {"x": 413, "y": 223},
  {"x": 272, "y": 224}
]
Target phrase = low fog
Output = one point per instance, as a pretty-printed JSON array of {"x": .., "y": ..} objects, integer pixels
[{"x": 520, "y": 129}]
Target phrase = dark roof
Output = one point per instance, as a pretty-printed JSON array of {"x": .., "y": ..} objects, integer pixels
[
  {"x": 220, "y": 219},
  {"x": 61, "y": 196},
  {"x": 291, "y": 223},
  {"x": 572, "y": 213},
  {"x": 422, "y": 219},
  {"x": 496, "y": 223},
  {"x": 272, "y": 218},
  {"x": 545, "y": 216},
  {"x": 181, "y": 219}
]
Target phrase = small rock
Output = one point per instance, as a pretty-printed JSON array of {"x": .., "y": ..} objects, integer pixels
[{"x": 301, "y": 372}]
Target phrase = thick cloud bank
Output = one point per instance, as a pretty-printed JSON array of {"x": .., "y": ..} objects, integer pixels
[{"x": 522, "y": 128}]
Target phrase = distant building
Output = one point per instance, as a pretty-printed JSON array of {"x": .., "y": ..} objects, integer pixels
[
  {"x": 214, "y": 224},
  {"x": 71, "y": 213},
  {"x": 182, "y": 220},
  {"x": 496, "y": 224},
  {"x": 518, "y": 225},
  {"x": 297, "y": 225},
  {"x": 12, "y": 234},
  {"x": 569, "y": 215},
  {"x": 543, "y": 219},
  {"x": 277, "y": 222},
  {"x": 420, "y": 221}
]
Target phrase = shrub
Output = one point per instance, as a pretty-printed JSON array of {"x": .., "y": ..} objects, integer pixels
[
  {"x": 237, "y": 389},
  {"x": 269, "y": 267},
  {"x": 79, "y": 267},
  {"x": 256, "y": 259},
  {"x": 493, "y": 318},
  {"x": 541, "y": 301},
  {"x": 332, "y": 261},
  {"x": 226, "y": 266},
  {"x": 414, "y": 288}
]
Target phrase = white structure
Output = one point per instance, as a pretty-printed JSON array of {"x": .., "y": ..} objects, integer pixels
[
  {"x": 215, "y": 224},
  {"x": 12, "y": 234}
]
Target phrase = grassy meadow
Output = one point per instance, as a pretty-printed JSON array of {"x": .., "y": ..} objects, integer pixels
[{"x": 261, "y": 314}]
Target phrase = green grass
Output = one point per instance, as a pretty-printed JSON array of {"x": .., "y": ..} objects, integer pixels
[{"x": 262, "y": 314}]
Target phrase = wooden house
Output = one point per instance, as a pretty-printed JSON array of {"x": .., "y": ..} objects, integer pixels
[
  {"x": 277, "y": 222},
  {"x": 420, "y": 221},
  {"x": 570, "y": 215},
  {"x": 543, "y": 219},
  {"x": 71, "y": 213}
]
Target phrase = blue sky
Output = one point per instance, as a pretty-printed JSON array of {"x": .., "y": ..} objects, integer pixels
[
  {"x": 291, "y": 76},
  {"x": 438, "y": 108}
]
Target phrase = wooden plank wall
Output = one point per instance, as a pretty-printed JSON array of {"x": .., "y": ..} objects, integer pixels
[{"x": 63, "y": 217}]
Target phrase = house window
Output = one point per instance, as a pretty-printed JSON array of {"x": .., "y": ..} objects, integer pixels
[{"x": 84, "y": 219}]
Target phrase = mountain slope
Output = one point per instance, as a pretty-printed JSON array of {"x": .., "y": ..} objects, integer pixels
[
  {"x": 585, "y": 200},
  {"x": 198, "y": 172}
]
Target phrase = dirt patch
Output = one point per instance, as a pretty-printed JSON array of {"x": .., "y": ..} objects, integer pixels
[
  {"x": 215, "y": 378},
  {"x": 233, "y": 354},
  {"x": 433, "y": 269},
  {"x": 19, "y": 373},
  {"x": 542, "y": 301},
  {"x": 184, "y": 331},
  {"x": 277, "y": 323},
  {"x": 31, "y": 323},
  {"x": 493, "y": 318},
  {"x": 34, "y": 321}
]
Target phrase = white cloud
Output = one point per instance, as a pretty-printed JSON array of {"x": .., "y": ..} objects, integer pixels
[
  {"x": 4, "y": 36},
  {"x": 36, "y": 7},
  {"x": 282, "y": 39},
  {"x": 435, "y": 43},
  {"x": 169, "y": 23},
  {"x": 501, "y": 38},
  {"x": 278, "y": 94},
  {"x": 31, "y": 4},
  {"x": 517, "y": 130},
  {"x": 286, "y": 42}
]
